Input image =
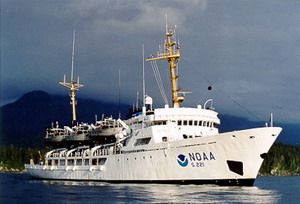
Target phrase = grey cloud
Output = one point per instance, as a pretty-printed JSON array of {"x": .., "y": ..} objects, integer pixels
[{"x": 248, "y": 50}]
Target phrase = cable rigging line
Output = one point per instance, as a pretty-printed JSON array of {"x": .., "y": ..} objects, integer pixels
[
  {"x": 224, "y": 93},
  {"x": 159, "y": 81}
]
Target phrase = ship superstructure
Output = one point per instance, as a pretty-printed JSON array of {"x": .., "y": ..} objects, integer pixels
[{"x": 166, "y": 145}]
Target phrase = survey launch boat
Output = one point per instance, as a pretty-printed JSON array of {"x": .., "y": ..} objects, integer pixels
[
  {"x": 80, "y": 133},
  {"x": 172, "y": 144}
]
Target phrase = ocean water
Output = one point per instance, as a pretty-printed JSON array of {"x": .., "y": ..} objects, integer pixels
[{"x": 20, "y": 188}]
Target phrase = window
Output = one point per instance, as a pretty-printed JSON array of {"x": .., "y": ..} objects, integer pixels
[
  {"x": 70, "y": 162},
  {"x": 94, "y": 161},
  {"x": 164, "y": 139},
  {"x": 86, "y": 162},
  {"x": 79, "y": 162},
  {"x": 185, "y": 122},
  {"x": 191, "y": 122},
  {"x": 142, "y": 141},
  {"x": 164, "y": 122},
  {"x": 185, "y": 136},
  {"x": 195, "y": 123},
  {"x": 102, "y": 161},
  {"x": 200, "y": 123},
  {"x": 62, "y": 162},
  {"x": 179, "y": 122}
]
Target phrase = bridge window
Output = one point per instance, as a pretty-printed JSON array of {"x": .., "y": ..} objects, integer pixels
[
  {"x": 164, "y": 122},
  {"x": 179, "y": 122}
]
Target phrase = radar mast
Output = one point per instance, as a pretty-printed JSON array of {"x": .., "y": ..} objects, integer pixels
[
  {"x": 171, "y": 53},
  {"x": 73, "y": 86}
]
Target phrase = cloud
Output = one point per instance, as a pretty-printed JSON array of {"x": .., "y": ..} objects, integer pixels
[{"x": 248, "y": 50}]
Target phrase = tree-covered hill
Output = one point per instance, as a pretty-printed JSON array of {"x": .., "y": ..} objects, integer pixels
[{"x": 282, "y": 160}]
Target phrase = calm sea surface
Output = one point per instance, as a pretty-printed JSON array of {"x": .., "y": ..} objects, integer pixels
[{"x": 20, "y": 188}]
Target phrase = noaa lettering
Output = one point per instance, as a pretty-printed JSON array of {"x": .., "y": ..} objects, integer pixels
[
  {"x": 211, "y": 156},
  {"x": 195, "y": 159},
  {"x": 201, "y": 156}
]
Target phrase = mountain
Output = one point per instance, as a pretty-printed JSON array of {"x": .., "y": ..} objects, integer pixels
[{"x": 23, "y": 122}]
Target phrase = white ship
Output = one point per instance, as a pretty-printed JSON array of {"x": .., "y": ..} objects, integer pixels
[{"x": 166, "y": 145}]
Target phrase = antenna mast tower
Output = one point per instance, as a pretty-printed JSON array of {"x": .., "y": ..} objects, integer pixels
[
  {"x": 73, "y": 86},
  {"x": 172, "y": 55}
]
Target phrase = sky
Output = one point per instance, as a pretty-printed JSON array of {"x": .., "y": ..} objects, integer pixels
[{"x": 247, "y": 51}]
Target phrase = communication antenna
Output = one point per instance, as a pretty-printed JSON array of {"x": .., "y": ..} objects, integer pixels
[
  {"x": 166, "y": 23},
  {"x": 73, "y": 86},
  {"x": 119, "y": 94},
  {"x": 271, "y": 120},
  {"x": 144, "y": 88},
  {"x": 73, "y": 53}
]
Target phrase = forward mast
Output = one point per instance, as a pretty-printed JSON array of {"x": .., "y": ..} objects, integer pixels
[{"x": 73, "y": 86}]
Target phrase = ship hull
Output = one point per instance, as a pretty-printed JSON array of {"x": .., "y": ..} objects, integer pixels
[{"x": 232, "y": 158}]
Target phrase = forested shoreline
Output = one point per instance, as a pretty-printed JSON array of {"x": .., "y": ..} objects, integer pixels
[
  {"x": 12, "y": 159},
  {"x": 282, "y": 159}
]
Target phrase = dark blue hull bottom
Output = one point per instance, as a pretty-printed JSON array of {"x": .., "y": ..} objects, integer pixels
[{"x": 220, "y": 182}]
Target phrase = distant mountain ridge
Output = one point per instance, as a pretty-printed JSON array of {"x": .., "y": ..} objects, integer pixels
[{"x": 23, "y": 122}]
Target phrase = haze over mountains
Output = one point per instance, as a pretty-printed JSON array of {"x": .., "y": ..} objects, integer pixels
[{"x": 23, "y": 122}]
